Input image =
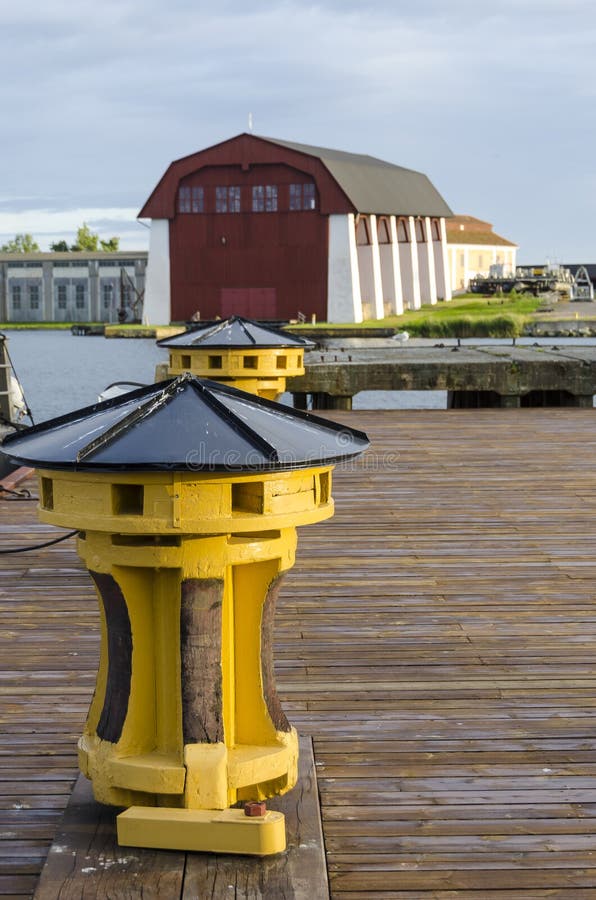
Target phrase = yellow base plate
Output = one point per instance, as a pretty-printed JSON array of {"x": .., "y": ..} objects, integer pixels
[{"x": 210, "y": 831}]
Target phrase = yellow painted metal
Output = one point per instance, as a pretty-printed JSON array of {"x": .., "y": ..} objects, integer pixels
[
  {"x": 154, "y": 773},
  {"x": 228, "y": 831},
  {"x": 258, "y": 371},
  {"x": 149, "y": 535},
  {"x": 165, "y": 503}
]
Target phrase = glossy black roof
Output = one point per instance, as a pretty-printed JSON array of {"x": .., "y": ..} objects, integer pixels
[
  {"x": 235, "y": 332},
  {"x": 181, "y": 424}
]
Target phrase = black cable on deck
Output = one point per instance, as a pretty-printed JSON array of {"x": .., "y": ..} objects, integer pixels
[{"x": 41, "y": 546}]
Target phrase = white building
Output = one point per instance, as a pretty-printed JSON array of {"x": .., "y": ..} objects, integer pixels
[
  {"x": 474, "y": 249},
  {"x": 71, "y": 287}
]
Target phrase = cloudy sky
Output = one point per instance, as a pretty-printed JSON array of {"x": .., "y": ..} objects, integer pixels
[{"x": 493, "y": 101}]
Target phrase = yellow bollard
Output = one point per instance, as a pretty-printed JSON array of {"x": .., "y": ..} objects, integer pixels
[
  {"x": 247, "y": 355},
  {"x": 187, "y": 496}
]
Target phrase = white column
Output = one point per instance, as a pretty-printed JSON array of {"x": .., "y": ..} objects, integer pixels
[
  {"x": 378, "y": 304},
  {"x": 444, "y": 283},
  {"x": 157, "y": 302},
  {"x": 453, "y": 262},
  {"x": 430, "y": 256},
  {"x": 395, "y": 274},
  {"x": 344, "y": 302},
  {"x": 416, "y": 298},
  {"x": 404, "y": 249},
  {"x": 466, "y": 273},
  {"x": 366, "y": 267}
]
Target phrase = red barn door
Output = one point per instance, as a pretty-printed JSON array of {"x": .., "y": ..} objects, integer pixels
[{"x": 252, "y": 303}]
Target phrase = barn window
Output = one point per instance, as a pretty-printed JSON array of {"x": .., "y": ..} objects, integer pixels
[
  {"x": 34, "y": 296},
  {"x": 308, "y": 196},
  {"x": 436, "y": 229},
  {"x": 16, "y": 296},
  {"x": 183, "y": 199},
  {"x": 221, "y": 199},
  {"x": 198, "y": 200},
  {"x": 271, "y": 198},
  {"x": 234, "y": 199},
  {"x": 264, "y": 198},
  {"x": 302, "y": 196},
  {"x": 227, "y": 199},
  {"x": 191, "y": 199},
  {"x": 258, "y": 198},
  {"x": 420, "y": 231}
]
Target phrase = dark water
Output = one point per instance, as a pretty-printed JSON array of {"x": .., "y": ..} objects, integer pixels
[{"x": 60, "y": 372}]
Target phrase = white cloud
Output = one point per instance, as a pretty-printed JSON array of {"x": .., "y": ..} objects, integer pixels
[
  {"x": 48, "y": 226},
  {"x": 489, "y": 99}
]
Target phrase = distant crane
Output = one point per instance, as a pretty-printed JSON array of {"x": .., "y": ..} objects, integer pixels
[
  {"x": 582, "y": 287},
  {"x": 136, "y": 304}
]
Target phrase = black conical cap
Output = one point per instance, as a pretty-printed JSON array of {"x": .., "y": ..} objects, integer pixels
[
  {"x": 185, "y": 423},
  {"x": 236, "y": 332}
]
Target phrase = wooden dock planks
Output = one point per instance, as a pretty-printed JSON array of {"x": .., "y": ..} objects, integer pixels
[
  {"x": 85, "y": 858},
  {"x": 436, "y": 638}
]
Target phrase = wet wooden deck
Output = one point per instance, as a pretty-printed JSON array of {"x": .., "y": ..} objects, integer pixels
[{"x": 436, "y": 638}]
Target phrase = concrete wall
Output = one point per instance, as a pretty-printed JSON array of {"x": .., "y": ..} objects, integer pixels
[
  {"x": 344, "y": 303},
  {"x": 157, "y": 306}
]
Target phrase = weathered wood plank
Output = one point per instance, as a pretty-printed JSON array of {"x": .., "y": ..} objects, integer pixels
[
  {"x": 298, "y": 874},
  {"x": 436, "y": 637},
  {"x": 85, "y": 860}
]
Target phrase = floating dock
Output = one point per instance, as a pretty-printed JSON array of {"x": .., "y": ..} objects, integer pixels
[{"x": 435, "y": 639}]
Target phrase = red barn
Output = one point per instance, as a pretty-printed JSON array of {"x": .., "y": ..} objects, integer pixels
[{"x": 269, "y": 229}]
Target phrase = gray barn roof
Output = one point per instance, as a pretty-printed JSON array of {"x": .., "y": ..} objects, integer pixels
[{"x": 376, "y": 186}]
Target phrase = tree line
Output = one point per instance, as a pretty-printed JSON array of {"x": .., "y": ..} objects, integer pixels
[{"x": 87, "y": 241}]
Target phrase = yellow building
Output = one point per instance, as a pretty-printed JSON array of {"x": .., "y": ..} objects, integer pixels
[{"x": 474, "y": 249}]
